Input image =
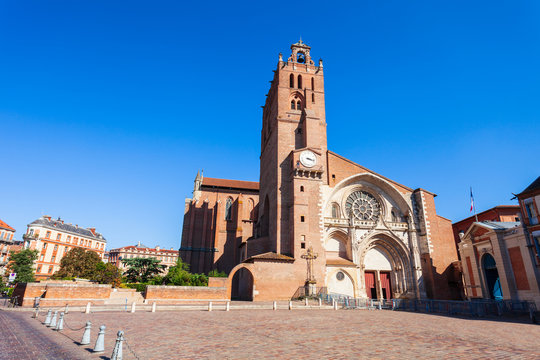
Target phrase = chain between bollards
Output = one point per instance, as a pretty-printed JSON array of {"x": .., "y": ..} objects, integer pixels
[
  {"x": 73, "y": 329},
  {"x": 129, "y": 348}
]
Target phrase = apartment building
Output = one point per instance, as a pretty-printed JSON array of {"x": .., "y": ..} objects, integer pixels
[{"x": 54, "y": 238}]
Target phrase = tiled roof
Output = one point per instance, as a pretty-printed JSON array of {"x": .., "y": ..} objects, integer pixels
[
  {"x": 133, "y": 247},
  {"x": 60, "y": 225},
  {"x": 270, "y": 256},
  {"x": 514, "y": 207},
  {"x": 499, "y": 225},
  {"x": 230, "y": 184},
  {"x": 339, "y": 262},
  {"x": 5, "y": 226},
  {"x": 534, "y": 186}
]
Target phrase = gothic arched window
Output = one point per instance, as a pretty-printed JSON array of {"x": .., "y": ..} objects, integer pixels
[
  {"x": 298, "y": 105},
  {"x": 291, "y": 80},
  {"x": 299, "y": 81},
  {"x": 292, "y": 105},
  {"x": 228, "y": 209},
  {"x": 312, "y": 83},
  {"x": 313, "y": 97}
]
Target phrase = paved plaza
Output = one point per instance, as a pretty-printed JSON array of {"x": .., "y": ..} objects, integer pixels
[{"x": 267, "y": 334}]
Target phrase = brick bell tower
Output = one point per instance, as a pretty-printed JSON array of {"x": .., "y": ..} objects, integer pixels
[{"x": 293, "y": 160}]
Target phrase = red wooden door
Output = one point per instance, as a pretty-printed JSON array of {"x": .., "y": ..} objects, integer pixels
[
  {"x": 385, "y": 285},
  {"x": 371, "y": 290}
]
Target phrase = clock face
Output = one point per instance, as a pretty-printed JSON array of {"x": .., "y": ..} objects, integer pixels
[{"x": 308, "y": 158}]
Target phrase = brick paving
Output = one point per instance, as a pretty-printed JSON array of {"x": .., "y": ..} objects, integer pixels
[{"x": 282, "y": 334}]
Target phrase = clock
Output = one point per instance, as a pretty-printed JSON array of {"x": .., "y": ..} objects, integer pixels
[{"x": 308, "y": 158}]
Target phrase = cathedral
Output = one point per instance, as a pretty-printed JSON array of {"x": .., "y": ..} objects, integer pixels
[{"x": 316, "y": 220}]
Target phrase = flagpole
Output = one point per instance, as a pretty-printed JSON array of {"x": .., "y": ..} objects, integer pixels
[{"x": 474, "y": 206}]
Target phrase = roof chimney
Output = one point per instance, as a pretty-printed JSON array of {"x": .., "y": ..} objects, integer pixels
[
  {"x": 93, "y": 230},
  {"x": 157, "y": 248},
  {"x": 138, "y": 244}
]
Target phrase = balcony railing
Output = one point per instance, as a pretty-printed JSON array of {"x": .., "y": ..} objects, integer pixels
[{"x": 364, "y": 223}]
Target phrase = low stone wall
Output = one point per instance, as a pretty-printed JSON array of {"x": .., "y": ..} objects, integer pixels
[
  {"x": 62, "y": 293},
  {"x": 27, "y": 292},
  {"x": 178, "y": 294}
]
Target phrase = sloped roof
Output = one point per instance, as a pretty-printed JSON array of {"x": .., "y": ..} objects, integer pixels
[
  {"x": 60, "y": 225},
  {"x": 143, "y": 248},
  {"x": 499, "y": 225},
  {"x": 5, "y": 226},
  {"x": 230, "y": 184},
  {"x": 270, "y": 256},
  {"x": 514, "y": 207},
  {"x": 339, "y": 262},
  {"x": 532, "y": 187}
]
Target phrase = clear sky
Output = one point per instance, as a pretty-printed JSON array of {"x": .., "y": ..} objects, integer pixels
[{"x": 108, "y": 108}]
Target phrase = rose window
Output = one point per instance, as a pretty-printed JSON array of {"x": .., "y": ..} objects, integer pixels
[{"x": 363, "y": 206}]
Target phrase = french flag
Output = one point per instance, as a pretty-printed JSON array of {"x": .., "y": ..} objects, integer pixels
[{"x": 472, "y": 201}]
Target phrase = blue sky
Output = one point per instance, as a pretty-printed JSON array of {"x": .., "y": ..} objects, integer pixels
[{"x": 107, "y": 108}]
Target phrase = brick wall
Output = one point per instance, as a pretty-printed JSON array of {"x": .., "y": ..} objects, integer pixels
[
  {"x": 60, "y": 294},
  {"x": 177, "y": 294}
]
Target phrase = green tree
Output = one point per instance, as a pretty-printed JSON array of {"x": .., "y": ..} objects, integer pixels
[
  {"x": 216, "y": 273},
  {"x": 179, "y": 275},
  {"x": 22, "y": 265},
  {"x": 78, "y": 263},
  {"x": 142, "y": 269},
  {"x": 107, "y": 273}
]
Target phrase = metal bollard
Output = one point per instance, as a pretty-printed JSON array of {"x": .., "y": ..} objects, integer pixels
[
  {"x": 66, "y": 310},
  {"x": 154, "y": 306},
  {"x": 228, "y": 306},
  {"x": 133, "y": 307},
  {"x": 306, "y": 302},
  {"x": 53, "y": 320},
  {"x": 86, "y": 335},
  {"x": 100, "y": 341},
  {"x": 48, "y": 318},
  {"x": 87, "y": 311},
  {"x": 380, "y": 305},
  {"x": 320, "y": 302},
  {"x": 36, "y": 312},
  {"x": 60, "y": 325},
  {"x": 117, "y": 351},
  {"x": 209, "y": 306},
  {"x": 274, "y": 306},
  {"x": 335, "y": 305},
  {"x": 290, "y": 305}
]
